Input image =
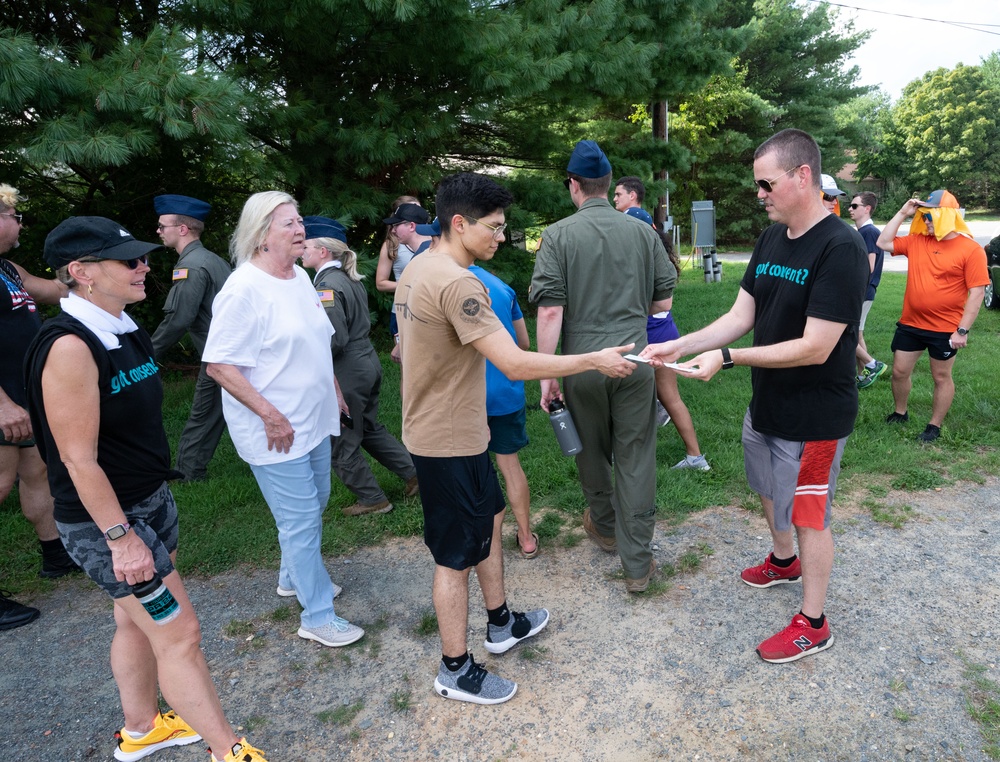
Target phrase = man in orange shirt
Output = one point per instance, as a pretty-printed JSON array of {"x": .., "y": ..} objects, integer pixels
[{"x": 946, "y": 278}]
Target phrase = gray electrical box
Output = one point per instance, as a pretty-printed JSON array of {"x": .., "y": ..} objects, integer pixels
[{"x": 703, "y": 223}]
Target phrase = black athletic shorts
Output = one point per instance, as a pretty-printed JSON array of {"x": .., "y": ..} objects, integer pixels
[
  {"x": 460, "y": 496},
  {"x": 910, "y": 339}
]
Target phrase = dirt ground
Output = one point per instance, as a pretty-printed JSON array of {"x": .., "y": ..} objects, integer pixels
[{"x": 666, "y": 676}]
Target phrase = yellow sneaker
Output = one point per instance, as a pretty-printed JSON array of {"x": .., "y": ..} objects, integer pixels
[
  {"x": 168, "y": 730},
  {"x": 242, "y": 752}
]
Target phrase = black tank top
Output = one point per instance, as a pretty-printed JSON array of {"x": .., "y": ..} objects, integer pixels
[{"x": 132, "y": 446}]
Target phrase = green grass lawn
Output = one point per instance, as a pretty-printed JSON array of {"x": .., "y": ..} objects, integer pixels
[{"x": 224, "y": 521}]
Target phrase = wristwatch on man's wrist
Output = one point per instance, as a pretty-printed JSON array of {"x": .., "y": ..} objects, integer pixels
[
  {"x": 727, "y": 360},
  {"x": 962, "y": 331},
  {"x": 117, "y": 531}
]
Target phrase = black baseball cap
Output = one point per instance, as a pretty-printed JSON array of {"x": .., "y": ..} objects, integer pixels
[
  {"x": 408, "y": 213},
  {"x": 92, "y": 237}
]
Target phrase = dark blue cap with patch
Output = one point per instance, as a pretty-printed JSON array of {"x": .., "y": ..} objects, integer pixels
[
  {"x": 588, "y": 160},
  {"x": 189, "y": 207},
  {"x": 640, "y": 214},
  {"x": 324, "y": 227}
]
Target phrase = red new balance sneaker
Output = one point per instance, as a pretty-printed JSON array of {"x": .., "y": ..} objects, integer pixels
[
  {"x": 795, "y": 641},
  {"x": 767, "y": 574}
]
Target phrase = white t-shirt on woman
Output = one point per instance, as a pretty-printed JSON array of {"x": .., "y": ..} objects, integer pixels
[{"x": 276, "y": 333}]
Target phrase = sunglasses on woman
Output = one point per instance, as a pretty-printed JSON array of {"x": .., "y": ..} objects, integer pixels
[{"x": 131, "y": 264}]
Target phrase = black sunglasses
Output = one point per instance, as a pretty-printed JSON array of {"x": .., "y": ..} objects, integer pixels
[
  {"x": 856, "y": 206},
  {"x": 131, "y": 264},
  {"x": 828, "y": 197},
  {"x": 768, "y": 185},
  {"x": 566, "y": 182}
]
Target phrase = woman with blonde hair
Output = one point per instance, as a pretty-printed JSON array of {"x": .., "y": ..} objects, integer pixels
[
  {"x": 359, "y": 372},
  {"x": 95, "y": 398},
  {"x": 269, "y": 349}
]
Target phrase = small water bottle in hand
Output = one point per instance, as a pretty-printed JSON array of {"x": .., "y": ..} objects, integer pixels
[
  {"x": 563, "y": 426},
  {"x": 157, "y": 599}
]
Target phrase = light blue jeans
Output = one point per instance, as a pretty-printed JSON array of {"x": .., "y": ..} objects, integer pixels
[{"x": 297, "y": 491}]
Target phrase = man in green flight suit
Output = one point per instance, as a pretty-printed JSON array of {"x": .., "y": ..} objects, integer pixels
[
  {"x": 197, "y": 278},
  {"x": 598, "y": 275}
]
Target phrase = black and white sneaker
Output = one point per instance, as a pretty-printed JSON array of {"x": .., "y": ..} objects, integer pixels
[
  {"x": 473, "y": 683},
  {"x": 519, "y": 627}
]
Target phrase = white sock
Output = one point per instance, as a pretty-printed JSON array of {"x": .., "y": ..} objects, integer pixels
[{"x": 872, "y": 365}]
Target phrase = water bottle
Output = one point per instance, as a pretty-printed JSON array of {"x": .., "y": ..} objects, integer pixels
[
  {"x": 562, "y": 425},
  {"x": 157, "y": 599}
]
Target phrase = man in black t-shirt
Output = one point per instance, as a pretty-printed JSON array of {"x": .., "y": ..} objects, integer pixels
[{"x": 801, "y": 296}]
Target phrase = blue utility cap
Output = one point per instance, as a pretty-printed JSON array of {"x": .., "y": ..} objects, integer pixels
[
  {"x": 588, "y": 160},
  {"x": 186, "y": 205},
  {"x": 324, "y": 227}
]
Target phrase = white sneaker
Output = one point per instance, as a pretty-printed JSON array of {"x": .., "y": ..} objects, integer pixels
[
  {"x": 289, "y": 592},
  {"x": 696, "y": 462},
  {"x": 337, "y": 633}
]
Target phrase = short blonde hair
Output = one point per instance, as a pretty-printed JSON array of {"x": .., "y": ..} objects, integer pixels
[
  {"x": 9, "y": 196},
  {"x": 255, "y": 219}
]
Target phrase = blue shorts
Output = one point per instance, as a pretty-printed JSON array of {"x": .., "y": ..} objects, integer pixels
[
  {"x": 508, "y": 433},
  {"x": 663, "y": 329},
  {"x": 153, "y": 519},
  {"x": 910, "y": 339},
  {"x": 460, "y": 496}
]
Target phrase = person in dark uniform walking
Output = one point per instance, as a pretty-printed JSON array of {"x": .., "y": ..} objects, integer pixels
[
  {"x": 598, "y": 276},
  {"x": 196, "y": 280},
  {"x": 358, "y": 370}
]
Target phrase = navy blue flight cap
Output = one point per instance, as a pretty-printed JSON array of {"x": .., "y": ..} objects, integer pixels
[
  {"x": 189, "y": 207},
  {"x": 434, "y": 229},
  {"x": 640, "y": 214},
  {"x": 588, "y": 160},
  {"x": 324, "y": 227}
]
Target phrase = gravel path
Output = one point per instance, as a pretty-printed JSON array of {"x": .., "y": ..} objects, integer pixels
[{"x": 671, "y": 676}]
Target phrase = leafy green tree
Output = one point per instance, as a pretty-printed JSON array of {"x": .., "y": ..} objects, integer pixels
[
  {"x": 949, "y": 124},
  {"x": 791, "y": 72}
]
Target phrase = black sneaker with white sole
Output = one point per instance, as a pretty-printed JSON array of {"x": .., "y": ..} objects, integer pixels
[
  {"x": 519, "y": 627},
  {"x": 473, "y": 683}
]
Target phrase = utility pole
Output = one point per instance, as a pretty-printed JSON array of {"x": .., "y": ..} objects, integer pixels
[{"x": 662, "y": 211}]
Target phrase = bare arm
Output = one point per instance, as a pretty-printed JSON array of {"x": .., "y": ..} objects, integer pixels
[
  {"x": 891, "y": 228},
  {"x": 548, "y": 328},
  {"x": 280, "y": 433},
  {"x": 521, "y": 332},
  {"x": 969, "y": 315},
  {"x": 70, "y": 373},
  {"x": 818, "y": 340},
  {"x": 15, "y": 423},
  {"x": 44, "y": 290},
  {"x": 516, "y": 364},
  {"x": 383, "y": 273},
  {"x": 663, "y": 305}
]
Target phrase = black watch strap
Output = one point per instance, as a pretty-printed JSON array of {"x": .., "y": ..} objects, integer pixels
[
  {"x": 962, "y": 331},
  {"x": 727, "y": 360}
]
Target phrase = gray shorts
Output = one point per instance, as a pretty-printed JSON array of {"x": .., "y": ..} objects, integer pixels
[
  {"x": 866, "y": 307},
  {"x": 800, "y": 478},
  {"x": 153, "y": 519}
]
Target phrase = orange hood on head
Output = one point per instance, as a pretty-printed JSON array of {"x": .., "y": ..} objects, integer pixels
[{"x": 944, "y": 211}]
